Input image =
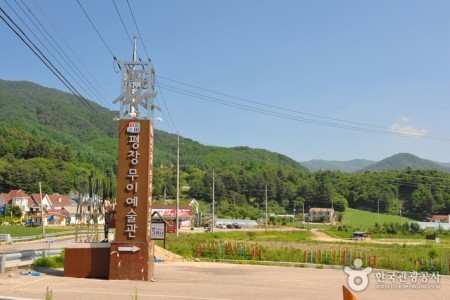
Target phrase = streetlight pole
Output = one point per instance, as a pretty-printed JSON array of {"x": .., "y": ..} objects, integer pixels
[
  {"x": 378, "y": 211},
  {"x": 178, "y": 182},
  {"x": 42, "y": 209},
  {"x": 213, "y": 198},
  {"x": 266, "y": 207}
]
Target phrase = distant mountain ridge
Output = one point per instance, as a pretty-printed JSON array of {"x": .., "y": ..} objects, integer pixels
[
  {"x": 402, "y": 161},
  {"x": 398, "y": 161},
  {"x": 335, "y": 165}
]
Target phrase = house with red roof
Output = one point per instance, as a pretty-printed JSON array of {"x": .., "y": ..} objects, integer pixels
[
  {"x": 440, "y": 219},
  {"x": 46, "y": 203},
  {"x": 17, "y": 198},
  {"x": 59, "y": 201}
]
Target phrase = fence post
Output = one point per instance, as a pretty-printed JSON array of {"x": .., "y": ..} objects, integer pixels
[{"x": 2, "y": 263}]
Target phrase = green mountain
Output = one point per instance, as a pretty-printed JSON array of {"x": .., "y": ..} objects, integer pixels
[
  {"x": 344, "y": 166},
  {"x": 403, "y": 161},
  {"x": 50, "y": 136}
]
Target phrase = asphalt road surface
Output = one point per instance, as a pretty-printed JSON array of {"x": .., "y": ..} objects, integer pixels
[
  {"x": 213, "y": 281},
  {"x": 202, "y": 280}
]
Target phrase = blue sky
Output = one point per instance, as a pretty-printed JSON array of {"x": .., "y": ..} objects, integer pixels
[{"x": 380, "y": 66}]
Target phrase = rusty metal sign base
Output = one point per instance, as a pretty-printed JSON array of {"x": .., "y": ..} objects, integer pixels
[{"x": 131, "y": 261}]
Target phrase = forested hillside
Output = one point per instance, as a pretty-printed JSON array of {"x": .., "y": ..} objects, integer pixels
[
  {"x": 402, "y": 161},
  {"x": 49, "y": 136},
  {"x": 349, "y": 166}
]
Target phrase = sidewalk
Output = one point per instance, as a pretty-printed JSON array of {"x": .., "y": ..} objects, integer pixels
[{"x": 202, "y": 280}]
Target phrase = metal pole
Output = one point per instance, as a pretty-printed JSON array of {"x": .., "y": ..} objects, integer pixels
[
  {"x": 303, "y": 213},
  {"x": 178, "y": 182},
  {"x": 2, "y": 263},
  {"x": 42, "y": 209},
  {"x": 213, "y": 202},
  {"x": 266, "y": 207},
  {"x": 378, "y": 211}
]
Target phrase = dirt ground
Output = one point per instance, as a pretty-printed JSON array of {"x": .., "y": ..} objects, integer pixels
[
  {"x": 321, "y": 236},
  {"x": 166, "y": 255}
]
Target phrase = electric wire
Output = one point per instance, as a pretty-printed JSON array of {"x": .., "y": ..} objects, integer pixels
[
  {"x": 42, "y": 44},
  {"x": 95, "y": 28},
  {"x": 137, "y": 28},
  {"x": 281, "y": 108},
  {"x": 165, "y": 105},
  {"x": 60, "y": 52},
  {"x": 71, "y": 49},
  {"x": 123, "y": 24},
  {"x": 27, "y": 41},
  {"x": 156, "y": 78},
  {"x": 291, "y": 117}
]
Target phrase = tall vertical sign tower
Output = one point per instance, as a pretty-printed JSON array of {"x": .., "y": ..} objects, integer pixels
[{"x": 131, "y": 255}]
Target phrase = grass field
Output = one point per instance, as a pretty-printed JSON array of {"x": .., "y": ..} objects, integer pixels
[
  {"x": 18, "y": 230},
  {"x": 356, "y": 217},
  {"x": 297, "y": 246}
]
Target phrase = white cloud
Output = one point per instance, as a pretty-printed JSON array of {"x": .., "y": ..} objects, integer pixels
[
  {"x": 405, "y": 128},
  {"x": 404, "y": 119}
]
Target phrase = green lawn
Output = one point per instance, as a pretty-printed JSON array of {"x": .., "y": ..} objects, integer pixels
[
  {"x": 356, "y": 217},
  {"x": 18, "y": 230}
]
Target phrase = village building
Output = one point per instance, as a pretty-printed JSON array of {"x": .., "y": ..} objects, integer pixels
[
  {"x": 440, "y": 219},
  {"x": 17, "y": 198},
  {"x": 168, "y": 212},
  {"x": 317, "y": 214},
  {"x": 57, "y": 209}
]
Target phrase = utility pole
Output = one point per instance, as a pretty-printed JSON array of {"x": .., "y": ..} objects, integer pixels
[
  {"x": 400, "y": 216},
  {"x": 42, "y": 209},
  {"x": 378, "y": 211},
  {"x": 213, "y": 192},
  {"x": 266, "y": 207},
  {"x": 303, "y": 212},
  {"x": 178, "y": 181}
]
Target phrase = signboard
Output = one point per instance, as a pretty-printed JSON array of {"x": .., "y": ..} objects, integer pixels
[
  {"x": 158, "y": 231},
  {"x": 134, "y": 181},
  {"x": 172, "y": 212},
  {"x": 171, "y": 227},
  {"x": 111, "y": 217}
]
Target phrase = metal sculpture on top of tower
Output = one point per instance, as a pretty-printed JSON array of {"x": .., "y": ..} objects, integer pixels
[{"x": 138, "y": 89}]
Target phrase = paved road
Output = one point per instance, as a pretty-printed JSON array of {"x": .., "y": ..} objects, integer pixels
[
  {"x": 58, "y": 242},
  {"x": 199, "y": 280},
  {"x": 213, "y": 281}
]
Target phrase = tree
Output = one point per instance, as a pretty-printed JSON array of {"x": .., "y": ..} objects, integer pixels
[
  {"x": 339, "y": 202},
  {"x": 14, "y": 210},
  {"x": 423, "y": 202}
]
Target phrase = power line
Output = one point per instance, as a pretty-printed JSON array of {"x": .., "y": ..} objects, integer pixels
[
  {"x": 121, "y": 20},
  {"x": 70, "y": 48},
  {"x": 43, "y": 58},
  {"x": 282, "y": 108},
  {"x": 95, "y": 28},
  {"x": 137, "y": 28},
  {"x": 60, "y": 52},
  {"x": 156, "y": 78},
  {"x": 291, "y": 117},
  {"x": 164, "y": 102}
]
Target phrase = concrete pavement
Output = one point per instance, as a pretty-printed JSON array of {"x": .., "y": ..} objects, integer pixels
[{"x": 203, "y": 280}]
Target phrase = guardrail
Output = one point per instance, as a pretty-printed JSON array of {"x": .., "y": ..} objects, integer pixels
[
  {"x": 41, "y": 236},
  {"x": 25, "y": 257},
  {"x": 6, "y": 237}
]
